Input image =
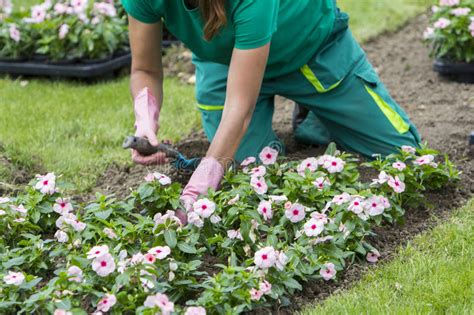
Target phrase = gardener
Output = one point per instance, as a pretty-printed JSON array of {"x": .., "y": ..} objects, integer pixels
[{"x": 248, "y": 51}]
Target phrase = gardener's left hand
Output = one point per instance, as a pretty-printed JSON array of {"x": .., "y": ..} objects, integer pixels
[{"x": 208, "y": 175}]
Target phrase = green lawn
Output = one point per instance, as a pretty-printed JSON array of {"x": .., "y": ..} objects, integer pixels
[
  {"x": 76, "y": 129},
  {"x": 434, "y": 274}
]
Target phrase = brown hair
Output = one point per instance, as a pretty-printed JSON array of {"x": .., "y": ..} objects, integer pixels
[{"x": 214, "y": 15}]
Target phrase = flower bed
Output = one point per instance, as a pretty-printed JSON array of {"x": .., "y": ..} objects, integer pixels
[{"x": 268, "y": 230}]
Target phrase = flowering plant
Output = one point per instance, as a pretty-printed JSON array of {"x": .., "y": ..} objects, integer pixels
[
  {"x": 63, "y": 29},
  {"x": 269, "y": 229},
  {"x": 451, "y": 34}
]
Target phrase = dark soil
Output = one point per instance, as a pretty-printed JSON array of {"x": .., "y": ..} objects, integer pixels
[
  {"x": 13, "y": 175},
  {"x": 442, "y": 110}
]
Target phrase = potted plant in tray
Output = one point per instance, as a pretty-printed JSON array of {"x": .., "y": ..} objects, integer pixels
[{"x": 451, "y": 38}]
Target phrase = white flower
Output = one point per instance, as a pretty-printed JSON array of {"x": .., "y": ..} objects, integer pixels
[
  {"x": 248, "y": 161},
  {"x": 320, "y": 217},
  {"x": 161, "y": 301},
  {"x": 265, "y": 209},
  {"x": 373, "y": 256},
  {"x": 408, "y": 149},
  {"x": 4, "y": 200},
  {"x": 281, "y": 260},
  {"x": 328, "y": 271},
  {"x": 333, "y": 164},
  {"x": 63, "y": 31},
  {"x": 60, "y": 8},
  {"x": 265, "y": 287},
  {"x": 75, "y": 274},
  {"x": 195, "y": 219},
  {"x": 259, "y": 171},
  {"x": 162, "y": 179},
  {"x": 14, "y": 278},
  {"x": 375, "y": 205},
  {"x": 382, "y": 179},
  {"x": 310, "y": 164},
  {"x": 313, "y": 227},
  {"x": 321, "y": 182},
  {"x": 38, "y": 14},
  {"x": 399, "y": 165},
  {"x": 103, "y": 265},
  {"x": 195, "y": 310},
  {"x": 442, "y": 23},
  {"x": 110, "y": 233},
  {"x": 255, "y": 294},
  {"x": 61, "y": 236},
  {"x": 79, "y": 6},
  {"x": 137, "y": 259},
  {"x": 277, "y": 199},
  {"x": 204, "y": 208},
  {"x": 20, "y": 209},
  {"x": 2, "y": 212},
  {"x": 97, "y": 251},
  {"x": 60, "y": 311},
  {"x": 234, "y": 200},
  {"x": 215, "y": 219},
  {"x": 356, "y": 205},
  {"x": 106, "y": 9},
  {"x": 425, "y": 159},
  {"x": 106, "y": 303},
  {"x": 461, "y": 11},
  {"x": 259, "y": 185},
  {"x": 62, "y": 206},
  {"x": 160, "y": 252},
  {"x": 46, "y": 184},
  {"x": 397, "y": 185},
  {"x": 265, "y": 257},
  {"x": 295, "y": 213},
  {"x": 234, "y": 234},
  {"x": 429, "y": 33},
  {"x": 268, "y": 156},
  {"x": 14, "y": 33}
]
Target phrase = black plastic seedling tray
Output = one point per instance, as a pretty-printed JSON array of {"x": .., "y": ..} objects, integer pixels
[
  {"x": 86, "y": 70},
  {"x": 460, "y": 72}
]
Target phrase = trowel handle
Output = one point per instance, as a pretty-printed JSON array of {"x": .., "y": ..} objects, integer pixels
[{"x": 144, "y": 147}]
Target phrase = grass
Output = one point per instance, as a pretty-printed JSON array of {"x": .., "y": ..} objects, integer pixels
[
  {"x": 434, "y": 274},
  {"x": 76, "y": 129}
]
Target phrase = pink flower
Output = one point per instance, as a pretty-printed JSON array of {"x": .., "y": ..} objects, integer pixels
[
  {"x": 334, "y": 164},
  {"x": 195, "y": 219},
  {"x": 281, "y": 260},
  {"x": 14, "y": 278},
  {"x": 20, "y": 209},
  {"x": 161, "y": 178},
  {"x": 75, "y": 274},
  {"x": 63, "y": 31},
  {"x": 356, "y": 206},
  {"x": 204, "y": 208},
  {"x": 461, "y": 11},
  {"x": 373, "y": 256},
  {"x": 160, "y": 252},
  {"x": 61, "y": 236},
  {"x": 255, "y": 294},
  {"x": 428, "y": 33},
  {"x": 60, "y": 311},
  {"x": 38, "y": 14},
  {"x": 234, "y": 234},
  {"x": 97, "y": 251},
  {"x": 268, "y": 156},
  {"x": 375, "y": 206},
  {"x": 149, "y": 258},
  {"x": 382, "y": 179},
  {"x": 79, "y": 6},
  {"x": 310, "y": 164},
  {"x": 106, "y": 303},
  {"x": 265, "y": 257},
  {"x": 110, "y": 233},
  {"x": 408, "y": 149},
  {"x": 265, "y": 209},
  {"x": 62, "y": 206},
  {"x": 248, "y": 161},
  {"x": 14, "y": 33},
  {"x": 320, "y": 217},
  {"x": 295, "y": 213},
  {"x": 195, "y": 310},
  {"x": 105, "y": 9},
  {"x": 46, "y": 184},
  {"x": 265, "y": 287},
  {"x": 149, "y": 177},
  {"x": 103, "y": 265},
  {"x": 399, "y": 165},
  {"x": 277, "y": 199},
  {"x": 161, "y": 301},
  {"x": 442, "y": 23},
  {"x": 137, "y": 259},
  {"x": 313, "y": 227},
  {"x": 425, "y": 159},
  {"x": 449, "y": 3},
  {"x": 342, "y": 198},
  {"x": 328, "y": 271},
  {"x": 4, "y": 200},
  {"x": 258, "y": 171},
  {"x": 397, "y": 185},
  {"x": 215, "y": 219},
  {"x": 60, "y": 8},
  {"x": 471, "y": 27},
  {"x": 259, "y": 185},
  {"x": 321, "y": 182}
]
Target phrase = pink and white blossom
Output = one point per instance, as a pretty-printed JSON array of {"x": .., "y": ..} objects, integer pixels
[
  {"x": 60, "y": 311},
  {"x": 268, "y": 156},
  {"x": 373, "y": 256},
  {"x": 97, "y": 251},
  {"x": 461, "y": 11},
  {"x": 4, "y": 200},
  {"x": 46, "y": 184},
  {"x": 281, "y": 260},
  {"x": 75, "y": 274},
  {"x": 63, "y": 31},
  {"x": 356, "y": 205},
  {"x": 110, "y": 233},
  {"x": 204, "y": 208},
  {"x": 295, "y": 213},
  {"x": 375, "y": 205},
  {"x": 248, "y": 161},
  {"x": 61, "y": 236},
  {"x": 320, "y": 217},
  {"x": 423, "y": 160},
  {"x": 382, "y": 178},
  {"x": 321, "y": 183},
  {"x": 277, "y": 199},
  {"x": 79, "y": 6},
  {"x": 106, "y": 9},
  {"x": 21, "y": 209},
  {"x": 215, "y": 219},
  {"x": 442, "y": 23},
  {"x": 342, "y": 198},
  {"x": 160, "y": 300},
  {"x": 14, "y": 33},
  {"x": 38, "y": 14},
  {"x": 265, "y": 287},
  {"x": 310, "y": 164},
  {"x": 106, "y": 303},
  {"x": 313, "y": 227},
  {"x": 60, "y": 8},
  {"x": 195, "y": 310},
  {"x": 397, "y": 185},
  {"x": 449, "y": 3},
  {"x": 429, "y": 33},
  {"x": 160, "y": 252},
  {"x": 259, "y": 185},
  {"x": 265, "y": 209},
  {"x": 328, "y": 271},
  {"x": 103, "y": 265},
  {"x": 334, "y": 164},
  {"x": 265, "y": 257},
  {"x": 195, "y": 219},
  {"x": 14, "y": 278},
  {"x": 234, "y": 234},
  {"x": 62, "y": 206},
  {"x": 255, "y": 294},
  {"x": 408, "y": 149},
  {"x": 137, "y": 259},
  {"x": 399, "y": 165},
  {"x": 149, "y": 258},
  {"x": 259, "y": 171}
]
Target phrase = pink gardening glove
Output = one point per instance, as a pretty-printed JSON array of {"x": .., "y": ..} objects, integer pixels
[
  {"x": 208, "y": 175},
  {"x": 147, "y": 113}
]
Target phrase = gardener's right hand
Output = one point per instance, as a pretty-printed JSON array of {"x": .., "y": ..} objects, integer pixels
[{"x": 147, "y": 113}]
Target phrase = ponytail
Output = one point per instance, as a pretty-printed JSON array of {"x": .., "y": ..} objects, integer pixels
[{"x": 214, "y": 16}]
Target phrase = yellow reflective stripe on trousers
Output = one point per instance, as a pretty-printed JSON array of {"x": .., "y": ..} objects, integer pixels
[
  {"x": 309, "y": 74},
  {"x": 397, "y": 121},
  {"x": 210, "y": 107}
]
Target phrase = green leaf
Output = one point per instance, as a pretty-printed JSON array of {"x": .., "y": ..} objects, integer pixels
[
  {"x": 31, "y": 284},
  {"x": 103, "y": 214},
  {"x": 14, "y": 262},
  {"x": 292, "y": 284},
  {"x": 170, "y": 238},
  {"x": 186, "y": 248}
]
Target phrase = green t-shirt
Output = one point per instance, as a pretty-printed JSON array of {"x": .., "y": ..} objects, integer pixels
[{"x": 296, "y": 28}]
